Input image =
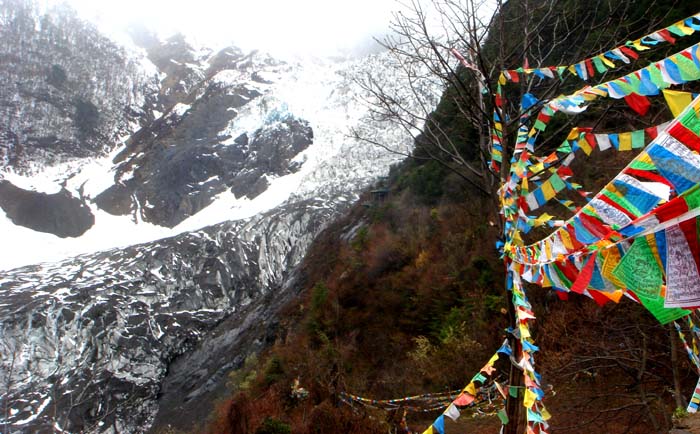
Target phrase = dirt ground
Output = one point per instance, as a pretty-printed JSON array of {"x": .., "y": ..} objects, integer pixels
[{"x": 688, "y": 425}]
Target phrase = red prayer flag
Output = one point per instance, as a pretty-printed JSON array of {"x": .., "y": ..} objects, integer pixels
[
  {"x": 667, "y": 36},
  {"x": 671, "y": 209},
  {"x": 685, "y": 136},
  {"x": 629, "y": 52},
  {"x": 638, "y": 103},
  {"x": 589, "y": 66},
  {"x": 585, "y": 275},
  {"x": 599, "y": 298},
  {"x": 689, "y": 228}
]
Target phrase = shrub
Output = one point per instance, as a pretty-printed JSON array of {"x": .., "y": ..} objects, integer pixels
[
  {"x": 274, "y": 371},
  {"x": 273, "y": 426}
]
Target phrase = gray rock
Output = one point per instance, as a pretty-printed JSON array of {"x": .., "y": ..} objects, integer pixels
[{"x": 59, "y": 213}]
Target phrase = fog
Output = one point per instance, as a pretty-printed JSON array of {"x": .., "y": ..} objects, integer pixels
[{"x": 301, "y": 27}]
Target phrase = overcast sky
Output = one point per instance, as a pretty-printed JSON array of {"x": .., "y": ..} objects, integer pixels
[{"x": 318, "y": 27}]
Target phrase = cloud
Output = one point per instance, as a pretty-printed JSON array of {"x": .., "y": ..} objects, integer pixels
[{"x": 320, "y": 27}]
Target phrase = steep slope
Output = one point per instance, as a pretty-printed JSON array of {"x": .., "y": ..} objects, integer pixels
[
  {"x": 251, "y": 134},
  {"x": 67, "y": 91},
  {"x": 89, "y": 339},
  {"x": 68, "y": 94}
]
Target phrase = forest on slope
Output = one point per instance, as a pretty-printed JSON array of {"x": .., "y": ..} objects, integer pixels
[{"x": 405, "y": 294}]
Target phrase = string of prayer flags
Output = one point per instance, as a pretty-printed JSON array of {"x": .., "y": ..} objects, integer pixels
[
  {"x": 666, "y": 167},
  {"x": 692, "y": 352},
  {"x": 695, "y": 400},
  {"x": 533, "y": 394},
  {"x": 468, "y": 395},
  {"x": 647, "y": 81},
  {"x": 618, "y": 243},
  {"x": 601, "y": 63},
  {"x": 655, "y": 203}
]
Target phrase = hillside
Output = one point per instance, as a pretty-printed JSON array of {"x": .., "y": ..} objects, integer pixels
[{"x": 404, "y": 296}]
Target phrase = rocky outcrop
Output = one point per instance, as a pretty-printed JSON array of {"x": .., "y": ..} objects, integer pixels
[
  {"x": 179, "y": 176},
  {"x": 65, "y": 91},
  {"x": 59, "y": 213}
]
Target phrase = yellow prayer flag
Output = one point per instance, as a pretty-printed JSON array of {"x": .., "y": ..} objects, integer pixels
[
  {"x": 566, "y": 240},
  {"x": 536, "y": 168},
  {"x": 612, "y": 258},
  {"x": 502, "y": 79},
  {"x": 529, "y": 398},
  {"x": 545, "y": 414},
  {"x": 546, "y": 283},
  {"x": 615, "y": 296},
  {"x": 583, "y": 144},
  {"x": 493, "y": 359},
  {"x": 677, "y": 101},
  {"x": 638, "y": 45},
  {"x": 548, "y": 249},
  {"x": 680, "y": 25},
  {"x": 573, "y": 134},
  {"x": 524, "y": 331},
  {"x": 625, "y": 141},
  {"x": 470, "y": 389},
  {"x": 429, "y": 430},
  {"x": 597, "y": 90},
  {"x": 547, "y": 190},
  {"x": 544, "y": 218},
  {"x": 607, "y": 61},
  {"x": 644, "y": 158}
]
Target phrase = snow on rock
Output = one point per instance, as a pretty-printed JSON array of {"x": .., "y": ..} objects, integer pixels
[{"x": 106, "y": 327}]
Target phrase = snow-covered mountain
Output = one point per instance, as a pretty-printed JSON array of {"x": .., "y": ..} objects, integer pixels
[{"x": 171, "y": 227}]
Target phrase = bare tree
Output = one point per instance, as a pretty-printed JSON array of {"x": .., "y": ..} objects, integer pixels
[{"x": 456, "y": 49}]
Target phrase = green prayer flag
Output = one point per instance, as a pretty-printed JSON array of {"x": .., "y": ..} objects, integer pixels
[
  {"x": 691, "y": 121},
  {"x": 635, "y": 83},
  {"x": 637, "y": 139},
  {"x": 692, "y": 197},
  {"x": 503, "y": 416},
  {"x": 599, "y": 65},
  {"x": 479, "y": 377},
  {"x": 656, "y": 77},
  {"x": 565, "y": 147},
  {"x": 539, "y": 125},
  {"x": 513, "y": 391},
  {"x": 626, "y": 87},
  {"x": 639, "y": 271},
  {"x": 557, "y": 183},
  {"x": 641, "y": 165},
  {"x": 689, "y": 71},
  {"x": 676, "y": 30},
  {"x": 561, "y": 276},
  {"x": 655, "y": 305}
]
